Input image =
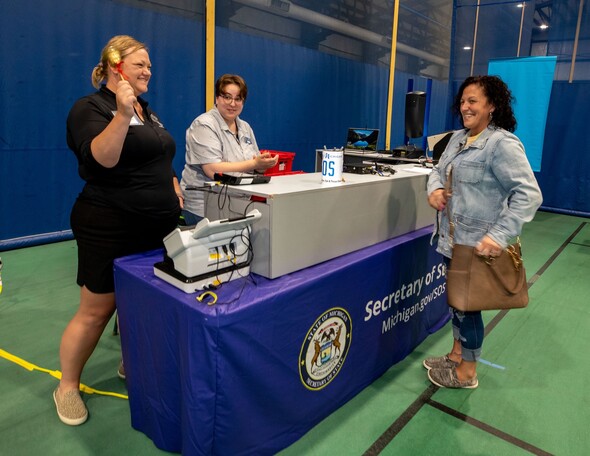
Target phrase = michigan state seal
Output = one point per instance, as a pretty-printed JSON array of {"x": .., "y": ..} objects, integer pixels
[{"x": 325, "y": 348}]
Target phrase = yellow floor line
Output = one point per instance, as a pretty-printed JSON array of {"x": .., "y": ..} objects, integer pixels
[{"x": 57, "y": 374}]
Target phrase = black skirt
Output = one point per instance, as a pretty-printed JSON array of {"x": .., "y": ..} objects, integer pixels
[{"x": 103, "y": 234}]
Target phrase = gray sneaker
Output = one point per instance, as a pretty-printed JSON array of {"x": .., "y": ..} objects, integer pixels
[
  {"x": 121, "y": 370},
  {"x": 70, "y": 407},
  {"x": 447, "y": 378},
  {"x": 440, "y": 362}
]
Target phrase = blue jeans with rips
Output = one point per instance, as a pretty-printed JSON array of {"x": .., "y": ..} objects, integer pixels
[{"x": 468, "y": 329}]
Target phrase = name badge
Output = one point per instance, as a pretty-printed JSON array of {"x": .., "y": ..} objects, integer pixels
[{"x": 135, "y": 120}]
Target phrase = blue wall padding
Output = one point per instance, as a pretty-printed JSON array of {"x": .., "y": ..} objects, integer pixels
[
  {"x": 564, "y": 176},
  {"x": 300, "y": 99},
  {"x": 36, "y": 239},
  {"x": 46, "y": 66}
]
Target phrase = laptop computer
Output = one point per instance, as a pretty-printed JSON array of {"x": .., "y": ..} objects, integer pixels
[{"x": 362, "y": 140}]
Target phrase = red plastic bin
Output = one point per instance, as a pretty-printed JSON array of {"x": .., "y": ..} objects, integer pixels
[
  {"x": 283, "y": 166},
  {"x": 285, "y": 173}
]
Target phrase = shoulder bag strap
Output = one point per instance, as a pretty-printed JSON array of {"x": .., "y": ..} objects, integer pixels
[{"x": 449, "y": 194}]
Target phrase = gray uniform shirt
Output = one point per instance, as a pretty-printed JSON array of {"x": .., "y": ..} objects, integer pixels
[{"x": 209, "y": 140}]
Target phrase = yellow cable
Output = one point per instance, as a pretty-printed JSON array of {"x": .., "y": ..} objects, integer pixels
[
  {"x": 57, "y": 374},
  {"x": 202, "y": 296}
]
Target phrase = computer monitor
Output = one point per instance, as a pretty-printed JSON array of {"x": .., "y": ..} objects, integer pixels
[{"x": 362, "y": 139}]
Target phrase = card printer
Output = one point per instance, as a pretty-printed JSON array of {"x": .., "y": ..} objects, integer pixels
[{"x": 207, "y": 254}]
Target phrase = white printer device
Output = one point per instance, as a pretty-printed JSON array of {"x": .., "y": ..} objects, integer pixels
[{"x": 210, "y": 253}]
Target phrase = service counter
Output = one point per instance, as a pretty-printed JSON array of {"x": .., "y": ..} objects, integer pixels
[
  {"x": 345, "y": 284},
  {"x": 305, "y": 222}
]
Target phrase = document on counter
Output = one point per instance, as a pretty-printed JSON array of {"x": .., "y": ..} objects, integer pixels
[{"x": 418, "y": 169}]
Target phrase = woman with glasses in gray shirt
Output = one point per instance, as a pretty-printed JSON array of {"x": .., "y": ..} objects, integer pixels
[{"x": 218, "y": 141}]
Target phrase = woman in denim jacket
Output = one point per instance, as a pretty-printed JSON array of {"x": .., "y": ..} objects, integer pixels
[{"x": 494, "y": 192}]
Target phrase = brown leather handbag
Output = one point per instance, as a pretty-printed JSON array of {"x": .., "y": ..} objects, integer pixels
[{"x": 486, "y": 283}]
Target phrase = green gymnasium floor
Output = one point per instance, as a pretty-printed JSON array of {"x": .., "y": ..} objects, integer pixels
[{"x": 530, "y": 399}]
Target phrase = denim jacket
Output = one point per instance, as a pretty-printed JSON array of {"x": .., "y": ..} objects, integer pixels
[{"x": 494, "y": 190}]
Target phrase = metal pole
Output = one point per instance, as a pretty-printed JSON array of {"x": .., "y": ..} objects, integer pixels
[
  {"x": 474, "y": 38},
  {"x": 575, "y": 51},
  {"x": 520, "y": 31},
  {"x": 391, "y": 75},
  {"x": 209, "y": 54}
]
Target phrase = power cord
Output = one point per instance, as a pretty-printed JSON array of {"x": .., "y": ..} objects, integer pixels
[{"x": 217, "y": 284}]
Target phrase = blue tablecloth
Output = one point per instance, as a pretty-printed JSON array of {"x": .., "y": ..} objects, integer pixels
[{"x": 254, "y": 372}]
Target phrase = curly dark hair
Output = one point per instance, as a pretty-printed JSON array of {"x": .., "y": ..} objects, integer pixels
[{"x": 498, "y": 94}]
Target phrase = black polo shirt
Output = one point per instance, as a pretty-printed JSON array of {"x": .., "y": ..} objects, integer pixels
[{"x": 141, "y": 182}]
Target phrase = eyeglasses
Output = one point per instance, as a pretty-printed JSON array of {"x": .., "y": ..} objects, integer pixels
[{"x": 227, "y": 98}]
